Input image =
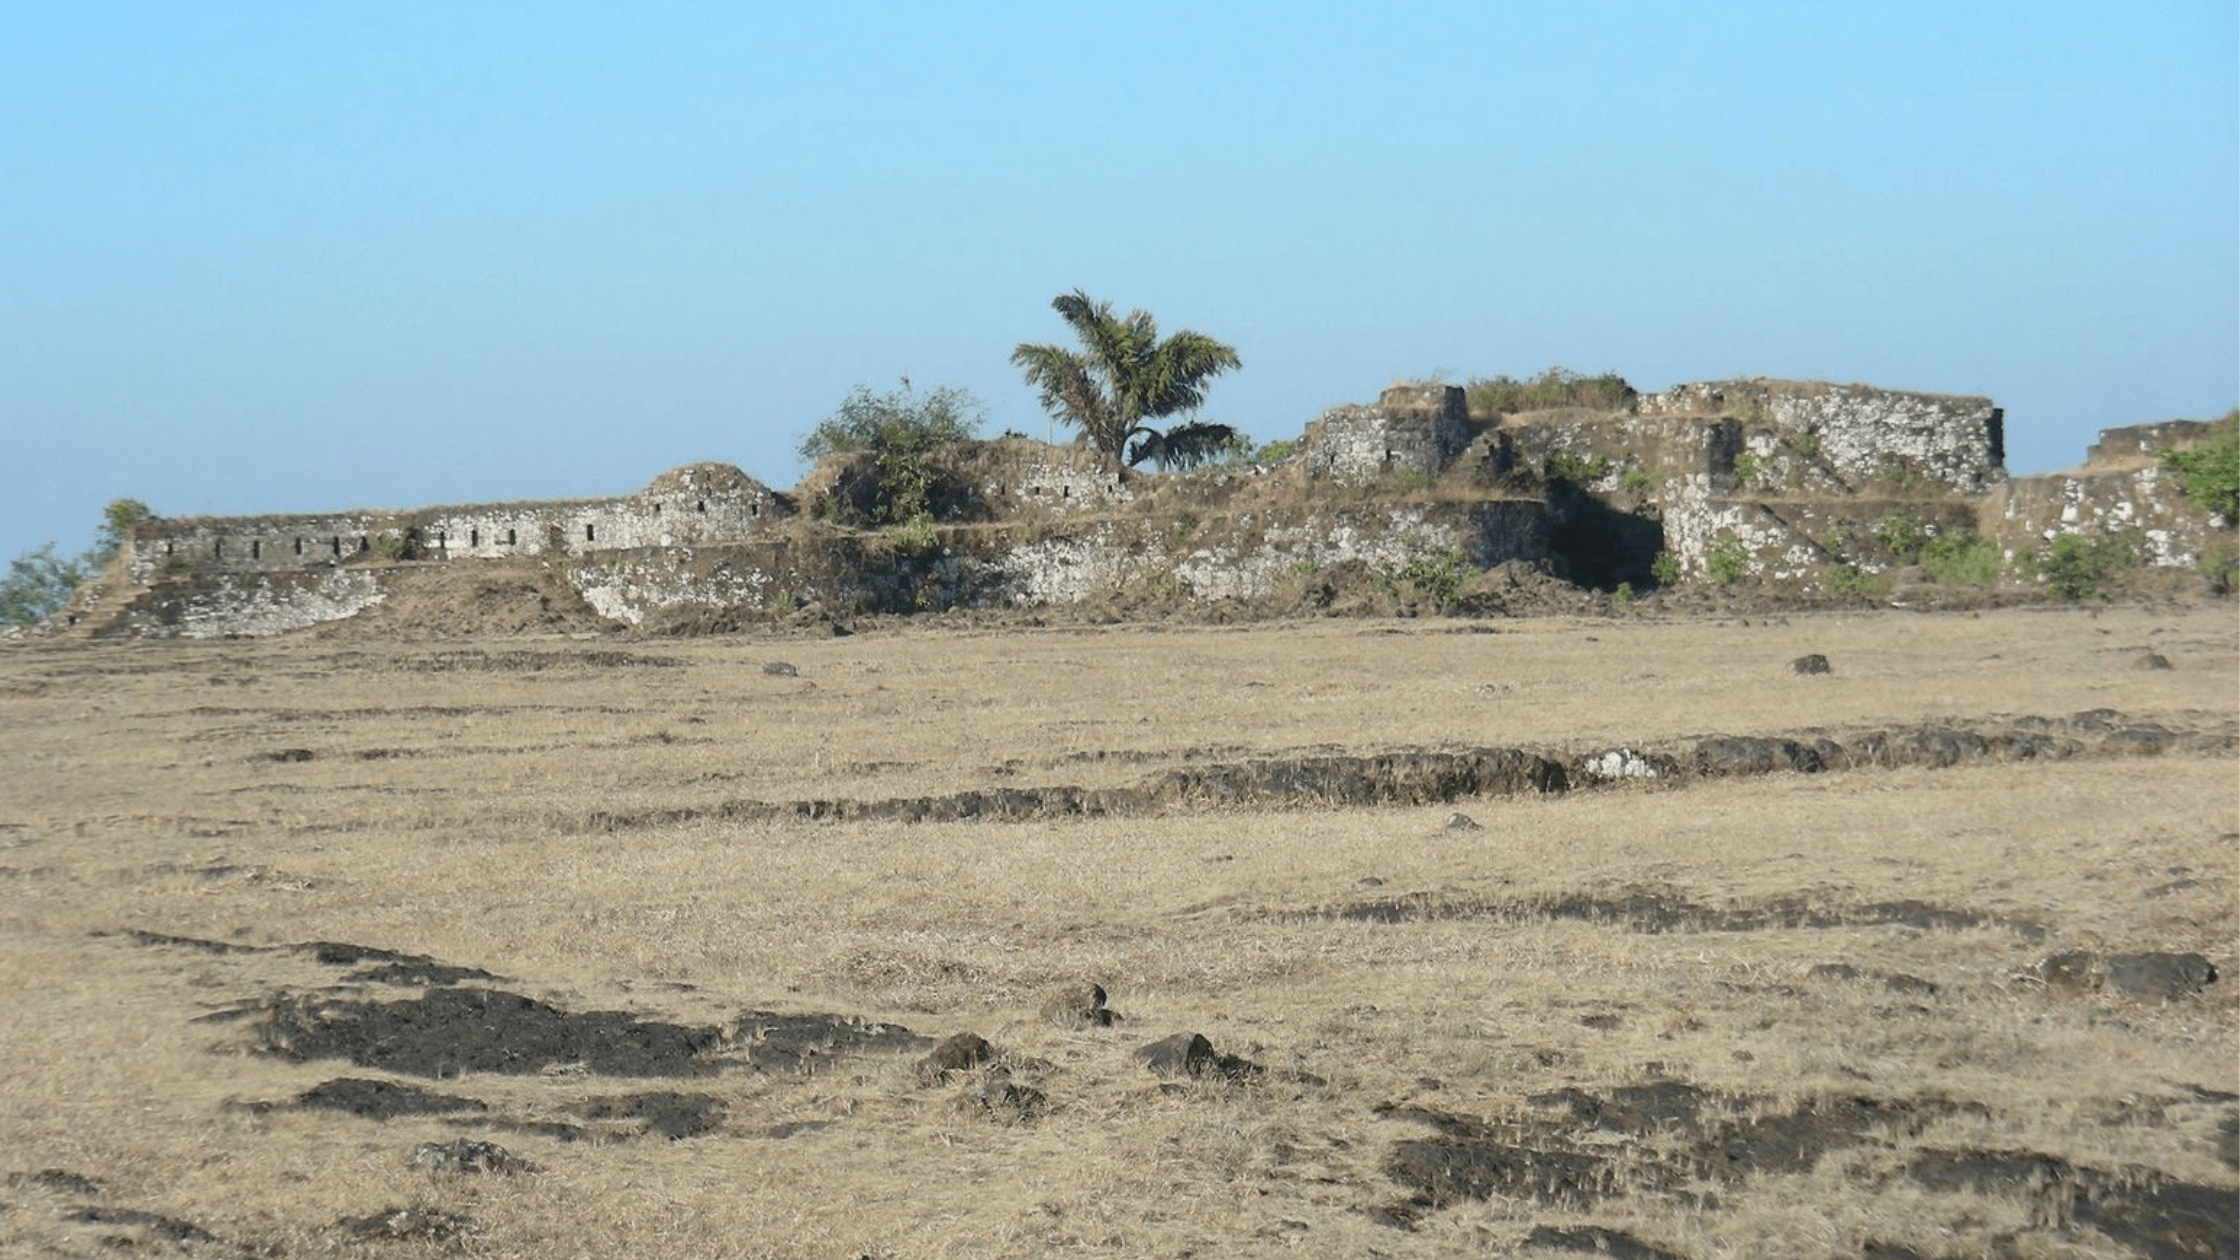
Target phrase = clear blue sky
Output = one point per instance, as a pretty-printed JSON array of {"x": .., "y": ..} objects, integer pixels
[{"x": 264, "y": 257}]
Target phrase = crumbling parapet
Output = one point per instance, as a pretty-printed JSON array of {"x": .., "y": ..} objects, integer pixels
[
  {"x": 1859, "y": 434},
  {"x": 1406, "y": 431},
  {"x": 693, "y": 505}
]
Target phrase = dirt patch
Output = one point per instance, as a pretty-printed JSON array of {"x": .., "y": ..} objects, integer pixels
[
  {"x": 1430, "y": 777},
  {"x": 804, "y": 1043},
  {"x": 1682, "y": 1136},
  {"x": 2161, "y": 1219},
  {"x": 383, "y": 1100},
  {"x": 664, "y": 1112},
  {"x": 153, "y": 1226},
  {"x": 1662, "y": 910},
  {"x": 449, "y": 1031}
]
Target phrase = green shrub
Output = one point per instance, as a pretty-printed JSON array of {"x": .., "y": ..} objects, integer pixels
[
  {"x": 1275, "y": 452},
  {"x": 1624, "y": 593},
  {"x": 1635, "y": 480},
  {"x": 1850, "y": 579},
  {"x": 2074, "y": 565},
  {"x": 1437, "y": 576},
  {"x": 1728, "y": 561},
  {"x": 1556, "y": 387},
  {"x": 898, "y": 429},
  {"x": 1901, "y": 531},
  {"x": 914, "y": 536},
  {"x": 1576, "y": 469},
  {"x": 2210, "y": 473},
  {"x": 1746, "y": 468},
  {"x": 1962, "y": 556},
  {"x": 1665, "y": 569}
]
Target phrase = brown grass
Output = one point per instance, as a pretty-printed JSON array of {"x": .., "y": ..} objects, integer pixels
[{"x": 442, "y": 812}]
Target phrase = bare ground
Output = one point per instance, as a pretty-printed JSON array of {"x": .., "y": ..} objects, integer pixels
[{"x": 1600, "y": 935}]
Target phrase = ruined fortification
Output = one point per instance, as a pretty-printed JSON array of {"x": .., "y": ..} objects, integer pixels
[{"x": 1785, "y": 481}]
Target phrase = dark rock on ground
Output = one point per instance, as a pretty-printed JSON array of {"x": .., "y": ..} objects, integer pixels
[
  {"x": 779, "y": 669},
  {"x": 1462, "y": 822},
  {"x": 789, "y": 1128},
  {"x": 2160, "y": 976},
  {"x": 1079, "y": 1005},
  {"x": 960, "y": 1053},
  {"x": 1190, "y": 1054},
  {"x": 465, "y": 1155},
  {"x": 1812, "y": 664},
  {"x": 2151, "y": 660},
  {"x": 2150, "y": 977}
]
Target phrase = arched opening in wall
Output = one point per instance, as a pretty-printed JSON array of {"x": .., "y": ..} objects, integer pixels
[
  {"x": 657, "y": 509},
  {"x": 703, "y": 505},
  {"x": 365, "y": 544},
  {"x": 474, "y": 538},
  {"x": 591, "y": 533},
  {"x": 754, "y": 509}
]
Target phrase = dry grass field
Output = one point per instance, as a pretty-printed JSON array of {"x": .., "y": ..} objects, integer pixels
[{"x": 282, "y": 918}]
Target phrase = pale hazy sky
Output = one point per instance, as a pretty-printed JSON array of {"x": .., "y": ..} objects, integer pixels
[{"x": 263, "y": 257}]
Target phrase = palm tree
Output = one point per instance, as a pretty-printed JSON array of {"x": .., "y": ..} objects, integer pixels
[{"x": 1122, "y": 375}]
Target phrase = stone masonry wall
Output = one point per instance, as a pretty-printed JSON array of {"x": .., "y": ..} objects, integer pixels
[
  {"x": 1401, "y": 433},
  {"x": 696, "y": 504},
  {"x": 1862, "y": 434}
]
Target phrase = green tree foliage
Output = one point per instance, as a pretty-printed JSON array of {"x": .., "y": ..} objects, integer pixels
[
  {"x": 39, "y": 581},
  {"x": 1123, "y": 374},
  {"x": 2210, "y": 472},
  {"x": 117, "y": 521},
  {"x": 898, "y": 429}
]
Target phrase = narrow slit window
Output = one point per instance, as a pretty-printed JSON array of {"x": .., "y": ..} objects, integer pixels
[
  {"x": 256, "y": 549},
  {"x": 336, "y": 543},
  {"x": 299, "y": 546},
  {"x": 509, "y": 538},
  {"x": 218, "y": 547},
  {"x": 474, "y": 538},
  {"x": 591, "y": 533}
]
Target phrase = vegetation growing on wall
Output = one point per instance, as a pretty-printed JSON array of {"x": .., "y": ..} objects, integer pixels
[
  {"x": 1556, "y": 387},
  {"x": 898, "y": 430},
  {"x": 2210, "y": 473}
]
